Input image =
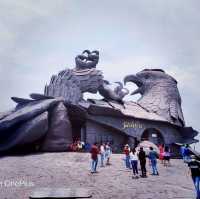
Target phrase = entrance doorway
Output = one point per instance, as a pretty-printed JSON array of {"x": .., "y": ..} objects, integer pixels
[{"x": 153, "y": 135}]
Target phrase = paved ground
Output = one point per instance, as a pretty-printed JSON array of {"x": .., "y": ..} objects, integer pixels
[{"x": 72, "y": 170}]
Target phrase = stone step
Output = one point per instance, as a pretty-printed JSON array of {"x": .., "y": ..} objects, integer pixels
[{"x": 60, "y": 193}]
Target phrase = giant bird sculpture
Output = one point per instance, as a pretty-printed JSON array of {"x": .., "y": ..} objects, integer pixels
[
  {"x": 159, "y": 94},
  {"x": 45, "y": 119}
]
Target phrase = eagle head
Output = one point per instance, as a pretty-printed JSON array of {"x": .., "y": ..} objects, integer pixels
[{"x": 159, "y": 94}]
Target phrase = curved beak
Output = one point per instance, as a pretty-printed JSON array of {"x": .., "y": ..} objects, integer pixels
[{"x": 137, "y": 81}]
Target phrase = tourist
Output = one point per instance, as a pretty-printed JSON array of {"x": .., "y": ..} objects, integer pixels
[
  {"x": 94, "y": 156},
  {"x": 87, "y": 147},
  {"x": 102, "y": 154},
  {"x": 79, "y": 146},
  {"x": 194, "y": 166},
  {"x": 182, "y": 149},
  {"x": 153, "y": 160},
  {"x": 134, "y": 163},
  {"x": 186, "y": 153},
  {"x": 108, "y": 152},
  {"x": 74, "y": 146},
  {"x": 166, "y": 156},
  {"x": 127, "y": 156},
  {"x": 142, "y": 158},
  {"x": 83, "y": 145},
  {"x": 161, "y": 153}
]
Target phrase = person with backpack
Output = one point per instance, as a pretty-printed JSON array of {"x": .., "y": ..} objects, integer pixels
[{"x": 153, "y": 160}]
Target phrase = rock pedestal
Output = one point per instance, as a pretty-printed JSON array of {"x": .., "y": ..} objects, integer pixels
[{"x": 59, "y": 135}]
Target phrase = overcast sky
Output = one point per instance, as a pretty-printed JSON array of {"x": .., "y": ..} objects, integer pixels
[{"x": 40, "y": 38}]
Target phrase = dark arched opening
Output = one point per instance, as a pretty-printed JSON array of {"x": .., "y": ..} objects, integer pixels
[{"x": 153, "y": 135}]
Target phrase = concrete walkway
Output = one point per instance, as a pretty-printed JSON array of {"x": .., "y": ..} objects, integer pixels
[{"x": 20, "y": 175}]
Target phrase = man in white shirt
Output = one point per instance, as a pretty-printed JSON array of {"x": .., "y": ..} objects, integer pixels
[{"x": 102, "y": 153}]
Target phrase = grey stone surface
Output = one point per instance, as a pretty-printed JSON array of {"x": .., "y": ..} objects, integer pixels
[
  {"x": 5, "y": 114},
  {"x": 19, "y": 100},
  {"x": 160, "y": 94},
  {"x": 26, "y": 113},
  {"x": 99, "y": 132},
  {"x": 28, "y": 132},
  {"x": 60, "y": 193},
  {"x": 71, "y": 170},
  {"x": 59, "y": 135},
  {"x": 131, "y": 109},
  {"x": 119, "y": 129},
  {"x": 37, "y": 96}
]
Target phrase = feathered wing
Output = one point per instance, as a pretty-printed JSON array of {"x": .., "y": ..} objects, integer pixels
[
  {"x": 64, "y": 85},
  {"x": 176, "y": 112},
  {"x": 161, "y": 102}
]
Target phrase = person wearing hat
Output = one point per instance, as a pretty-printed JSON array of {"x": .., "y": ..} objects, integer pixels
[{"x": 194, "y": 166}]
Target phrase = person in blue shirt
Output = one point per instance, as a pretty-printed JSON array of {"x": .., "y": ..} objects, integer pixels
[
  {"x": 153, "y": 160},
  {"x": 182, "y": 149},
  {"x": 187, "y": 153}
]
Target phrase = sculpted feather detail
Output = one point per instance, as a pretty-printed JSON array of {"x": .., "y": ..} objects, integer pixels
[{"x": 159, "y": 94}]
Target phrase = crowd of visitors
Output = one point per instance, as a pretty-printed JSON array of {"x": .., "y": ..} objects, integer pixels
[
  {"x": 102, "y": 152},
  {"x": 138, "y": 156},
  {"x": 132, "y": 157},
  {"x": 80, "y": 146}
]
